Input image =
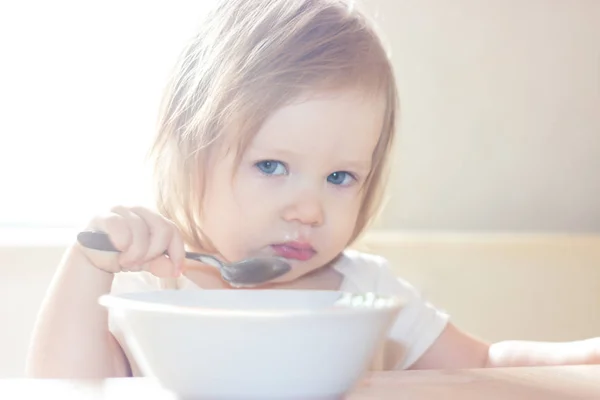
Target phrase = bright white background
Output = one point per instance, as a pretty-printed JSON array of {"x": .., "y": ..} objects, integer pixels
[{"x": 80, "y": 84}]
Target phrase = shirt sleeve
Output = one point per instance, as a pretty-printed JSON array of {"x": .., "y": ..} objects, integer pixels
[{"x": 418, "y": 324}]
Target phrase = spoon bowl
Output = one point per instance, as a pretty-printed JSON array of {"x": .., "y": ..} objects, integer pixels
[{"x": 245, "y": 273}]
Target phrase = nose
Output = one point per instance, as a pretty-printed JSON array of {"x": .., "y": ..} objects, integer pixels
[{"x": 306, "y": 208}]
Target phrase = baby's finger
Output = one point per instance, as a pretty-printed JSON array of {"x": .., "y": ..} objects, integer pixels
[
  {"x": 176, "y": 251},
  {"x": 120, "y": 236},
  {"x": 161, "y": 267},
  {"x": 161, "y": 232},
  {"x": 137, "y": 267},
  {"x": 140, "y": 238},
  {"x": 116, "y": 227}
]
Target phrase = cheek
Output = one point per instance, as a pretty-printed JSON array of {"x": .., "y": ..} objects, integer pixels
[
  {"x": 226, "y": 225},
  {"x": 259, "y": 199},
  {"x": 342, "y": 216},
  {"x": 232, "y": 198},
  {"x": 241, "y": 215},
  {"x": 222, "y": 214}
]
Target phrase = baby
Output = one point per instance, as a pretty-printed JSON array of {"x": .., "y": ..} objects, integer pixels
[{"x": 273, "y": 139}]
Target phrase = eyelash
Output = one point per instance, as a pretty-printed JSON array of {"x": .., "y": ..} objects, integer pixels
[
  {"x": 266, "y": 168},
  {"x": 275, "y": 162},
  {"x": 346, "y": 174}
]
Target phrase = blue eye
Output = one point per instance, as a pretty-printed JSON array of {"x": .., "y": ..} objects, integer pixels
[
  {"x": 271, "y": 167},
  {"x": 341, "y": 178}
]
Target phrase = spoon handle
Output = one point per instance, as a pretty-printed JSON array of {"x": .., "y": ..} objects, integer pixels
[{"x": 98, "y": 240}]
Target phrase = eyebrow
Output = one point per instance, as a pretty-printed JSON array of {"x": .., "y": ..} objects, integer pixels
[
  {"x": 358, "y": 165},
  {"x": 274, "y": 150}
]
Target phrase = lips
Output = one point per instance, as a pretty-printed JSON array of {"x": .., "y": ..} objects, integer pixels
[{"x": 294, "y": 250}]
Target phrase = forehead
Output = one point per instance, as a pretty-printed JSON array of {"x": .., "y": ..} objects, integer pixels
[{"x": 336, "y": 125}]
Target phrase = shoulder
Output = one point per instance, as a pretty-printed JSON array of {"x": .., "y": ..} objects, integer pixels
[
  {"x": 359, "y": 266},
  {"x": 359, "y": 259},
  {"x": 417, "y": 325},
  {"x": 372, "y": 272}
]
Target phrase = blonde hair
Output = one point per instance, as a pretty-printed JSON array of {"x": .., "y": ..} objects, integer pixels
[{"x": 249, "y": 58}]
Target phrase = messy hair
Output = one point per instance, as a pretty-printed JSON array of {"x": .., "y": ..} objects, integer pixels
[{"x": 249, "y": 58}]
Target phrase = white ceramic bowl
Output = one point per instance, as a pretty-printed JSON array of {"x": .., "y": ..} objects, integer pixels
[{"x": 254, "y": 344}]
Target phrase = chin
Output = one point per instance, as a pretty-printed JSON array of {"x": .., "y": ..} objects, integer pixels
[
  {"x": 287, "y": 278},
  {"x": 298, "y": 271}
]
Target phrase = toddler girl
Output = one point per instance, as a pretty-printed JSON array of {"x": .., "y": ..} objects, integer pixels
[{"x": 273, "y": 139}]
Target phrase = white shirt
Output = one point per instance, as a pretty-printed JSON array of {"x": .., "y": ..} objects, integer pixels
[{"x": 416, "y": 328}]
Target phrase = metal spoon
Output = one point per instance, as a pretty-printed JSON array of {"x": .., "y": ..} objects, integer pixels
[{"x": 249, "y": 272}]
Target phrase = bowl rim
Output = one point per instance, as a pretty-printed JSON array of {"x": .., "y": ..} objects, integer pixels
[{"x": 121, "y": 301}]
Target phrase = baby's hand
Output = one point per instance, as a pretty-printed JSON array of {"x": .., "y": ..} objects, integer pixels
[{"x": 142, "y": 236}]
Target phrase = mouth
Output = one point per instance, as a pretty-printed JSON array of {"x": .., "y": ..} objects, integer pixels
[{"x": 300, "y": 251}]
